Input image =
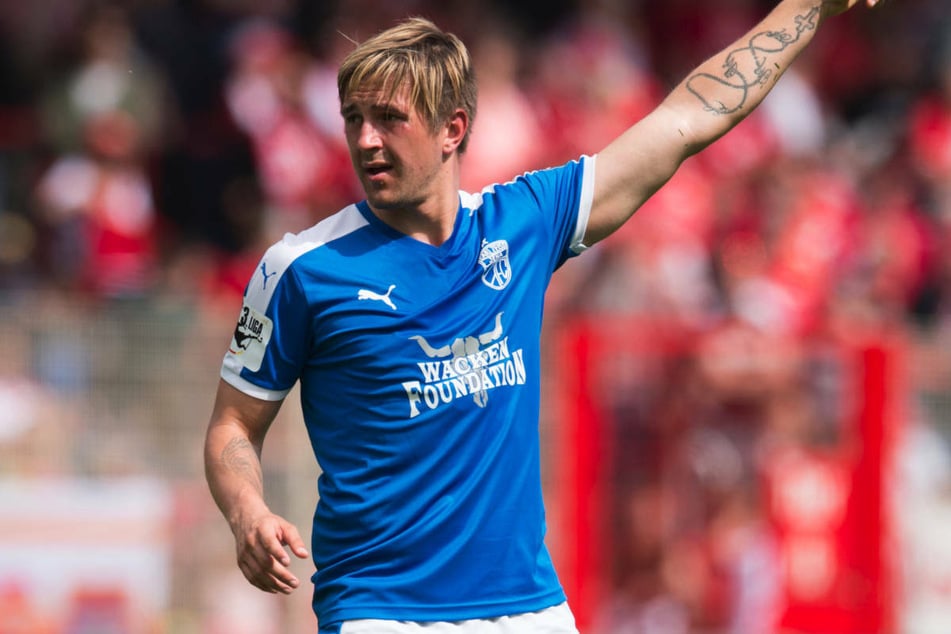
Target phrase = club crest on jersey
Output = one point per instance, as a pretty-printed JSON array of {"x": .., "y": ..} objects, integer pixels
[
  {"x": 251, "y": 336},
  {"x": 496, "y": 268}
]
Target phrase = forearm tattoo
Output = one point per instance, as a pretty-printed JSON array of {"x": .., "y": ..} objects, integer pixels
[
  {"x": 240, "y": 457},
  {"x": 747, "y": 67}
]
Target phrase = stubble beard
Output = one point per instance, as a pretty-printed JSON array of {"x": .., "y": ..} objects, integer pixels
[{"x": 396, "y": 194}]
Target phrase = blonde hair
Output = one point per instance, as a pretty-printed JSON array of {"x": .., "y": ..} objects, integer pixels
[{"x": 416, "y": 53}]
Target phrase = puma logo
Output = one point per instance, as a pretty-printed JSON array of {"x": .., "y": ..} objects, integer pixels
[
  {"x": 266, "y": 275},
  {"x": 365, "y": 294}
]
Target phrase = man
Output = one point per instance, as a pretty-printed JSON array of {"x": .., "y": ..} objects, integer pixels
[{"x": 412, "y": 322}]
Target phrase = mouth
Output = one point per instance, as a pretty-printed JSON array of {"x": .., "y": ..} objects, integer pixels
[{"x": 377, "y": 170}]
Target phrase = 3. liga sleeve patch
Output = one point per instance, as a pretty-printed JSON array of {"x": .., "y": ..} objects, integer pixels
[{"x": 251, "y": 337}]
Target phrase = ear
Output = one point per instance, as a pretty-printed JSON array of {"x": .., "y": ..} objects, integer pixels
[{"x": 455, "y": 131}]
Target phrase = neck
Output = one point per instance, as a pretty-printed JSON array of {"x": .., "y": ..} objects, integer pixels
[
  {"x": 431, "y": 221},
  {"x": 432, "y": 218}
]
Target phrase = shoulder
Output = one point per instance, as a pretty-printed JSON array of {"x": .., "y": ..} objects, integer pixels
[
  {"x": 575, "y": 172},
  {"x": 281, "y": 256},
  {"x": 564, "y": 187},
  {"x": 335, "y": 227}
]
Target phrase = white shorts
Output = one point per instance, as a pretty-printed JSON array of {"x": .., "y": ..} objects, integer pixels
[{"x": 554, "y": 620}]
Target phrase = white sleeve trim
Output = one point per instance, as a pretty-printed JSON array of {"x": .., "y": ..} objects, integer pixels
[
  {"x": 577, "y": 244},
  {"x": 230, "y": 375}
]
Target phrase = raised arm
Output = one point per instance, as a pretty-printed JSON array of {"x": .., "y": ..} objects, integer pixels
[
  {"x": 233, "y": 446},
  {"x": 716, "y": 96}
]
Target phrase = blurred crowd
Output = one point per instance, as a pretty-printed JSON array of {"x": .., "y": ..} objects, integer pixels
[
  {"x": 152, "y": 149},
  {"x": 157, "y": 146}
]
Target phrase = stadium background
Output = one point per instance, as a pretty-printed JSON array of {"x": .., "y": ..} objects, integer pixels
[{"x": 747, "y": 405}]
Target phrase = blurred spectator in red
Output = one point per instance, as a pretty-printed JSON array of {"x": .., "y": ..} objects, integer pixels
[
  {"x": 930, "y": 136},
  {"x": 807, "y": 217},
  {"x": 682, "y": 31},
  {"x": 512, "y": 141},
  {"x": 806, "y": 488},
  {"x": 109, "y": 73},
  {"x": 102, "y": 120},
  {"x": 796, "y": 114},
  {"x": 301, "y": 170},
  {"x": 591, "y": 79},
  {"x": 898, "y": 246},
  {"x": 98, "y": 206},
  {"x": 660, "y": 265}
]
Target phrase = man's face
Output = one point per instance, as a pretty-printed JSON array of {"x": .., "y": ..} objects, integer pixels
[{"x": 396, "y": 155}]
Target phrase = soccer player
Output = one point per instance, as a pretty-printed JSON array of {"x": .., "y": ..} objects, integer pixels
[{"x": 412, "y": 321}]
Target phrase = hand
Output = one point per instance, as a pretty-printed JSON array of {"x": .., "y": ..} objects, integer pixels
[
  {"x": 835, "y": 7},
  {"x": 261, "y": 556}
]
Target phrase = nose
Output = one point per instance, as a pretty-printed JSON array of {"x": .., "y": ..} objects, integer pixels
[{"x": 368, "y": 137}]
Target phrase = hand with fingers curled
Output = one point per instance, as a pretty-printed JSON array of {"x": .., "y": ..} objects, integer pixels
[{"x": 261, "y": 544}]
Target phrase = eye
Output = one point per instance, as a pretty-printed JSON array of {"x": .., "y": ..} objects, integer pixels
[{"x": 392, "y": 116}]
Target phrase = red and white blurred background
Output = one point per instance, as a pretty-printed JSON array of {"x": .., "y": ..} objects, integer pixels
[{"x": 747, "y": 391}]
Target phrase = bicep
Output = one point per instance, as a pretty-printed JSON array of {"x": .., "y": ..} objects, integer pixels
[
  {"x": 236, "y": 413},
  {"x": 634, "y": 166}
]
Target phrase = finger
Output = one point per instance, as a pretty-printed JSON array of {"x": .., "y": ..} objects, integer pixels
[
  {"x": 293, "y": 540},
  {"x": 276, "y": 570},
  {"x": 273, "y": 547},
  {"x": 255, "y": 578},
  {"x": 270, "y": 576},
  {"x": 282, "y": 579},
  {"x": 274, "y": 566}
]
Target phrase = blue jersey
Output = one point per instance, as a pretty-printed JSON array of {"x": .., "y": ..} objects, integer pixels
[{"x": 419, "y": 373}]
